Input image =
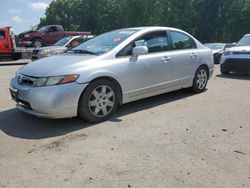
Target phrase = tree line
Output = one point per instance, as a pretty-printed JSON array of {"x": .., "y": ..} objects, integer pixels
[{"x": 207, "y": 20}]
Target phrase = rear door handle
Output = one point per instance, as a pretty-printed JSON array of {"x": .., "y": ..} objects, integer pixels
[{"x": 166, "y": 59}]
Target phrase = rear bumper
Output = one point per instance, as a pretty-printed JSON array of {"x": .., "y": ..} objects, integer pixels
[{"x": 236, "y": 65}]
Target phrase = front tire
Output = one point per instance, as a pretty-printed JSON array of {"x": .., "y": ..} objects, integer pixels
[
  {"x": 99, "y": 101},
  {"x": 200, "y": 80},
  {"x": 37, "y": 43},
  {"x": 224, "y": 72}
]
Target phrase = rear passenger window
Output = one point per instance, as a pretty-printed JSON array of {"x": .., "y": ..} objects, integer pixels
[
  {"x": 2, "y": 36},
  {"x": 181, "y": 41},
  {"x": 59, "y": 29}
]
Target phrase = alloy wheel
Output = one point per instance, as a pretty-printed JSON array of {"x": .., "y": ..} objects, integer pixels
[{"x": 201, "y": 79}]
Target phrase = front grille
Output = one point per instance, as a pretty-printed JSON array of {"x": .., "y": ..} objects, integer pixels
[{"x": 27, "y": 80}]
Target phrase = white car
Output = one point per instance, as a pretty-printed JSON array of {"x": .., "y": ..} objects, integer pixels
[
  {"x": 218, "y": 49},
  {"x": 60, "y": 46},
  {"x": 237, "y": 59}
]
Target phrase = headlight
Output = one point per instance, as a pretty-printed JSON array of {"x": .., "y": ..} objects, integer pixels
[
  {"x": 54, "y": 80},
  {"x": 26, "y": 35},
  {"x": 226, "y": 53},
  {"x": 43, "y": 52}
]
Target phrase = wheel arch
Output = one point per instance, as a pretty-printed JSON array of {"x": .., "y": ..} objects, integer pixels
[
  {"x": 37, "y": 37},
  {"x": 205, "y": 66},
  {"x": 113, "y": 79}
]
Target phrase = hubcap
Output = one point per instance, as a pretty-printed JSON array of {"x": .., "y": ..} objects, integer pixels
[
  {"x": 101, "y": 101},
  {"x": 38, "y": 44},
  {"x": 201, "y": 79}
]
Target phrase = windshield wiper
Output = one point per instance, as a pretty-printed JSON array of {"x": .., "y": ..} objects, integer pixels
[{"x": 83, "y": 52}]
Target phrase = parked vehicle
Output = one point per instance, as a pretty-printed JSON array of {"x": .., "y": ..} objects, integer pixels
[
  {"x": 8, "y": 49},
  {"x": 237, "y": 59},
  {"x": 60, "y": 46},
  {"x": 47, "y": 35},
  {"x": 94, "y": 78},
  {"x": 218, "y": 49}
]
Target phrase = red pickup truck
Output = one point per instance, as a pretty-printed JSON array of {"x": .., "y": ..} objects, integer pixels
[{"x": 47, "y": 35}]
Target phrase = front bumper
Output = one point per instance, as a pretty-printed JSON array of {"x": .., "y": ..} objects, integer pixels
[
  {"x": 236, "y": 65},
  {"x": 60, "y": 101},
  {"x": 39, "y": 56},
  {"x": 26, "y": 43}
]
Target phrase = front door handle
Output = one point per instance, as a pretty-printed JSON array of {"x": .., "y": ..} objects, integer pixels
[
  {"x": 193, "y": 55},
  {"x": 166, "y": 59}
]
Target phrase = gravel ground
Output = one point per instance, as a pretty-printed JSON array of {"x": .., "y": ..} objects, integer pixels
[{"x": 172, "y": 140}]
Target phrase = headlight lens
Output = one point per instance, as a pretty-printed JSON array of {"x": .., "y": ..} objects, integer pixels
[
  {"x": 43, "y": 52},
  {"x": 226, "y": 53},
  {"x": 26, "y": 35},
  {"x": 55, "y": 80}
]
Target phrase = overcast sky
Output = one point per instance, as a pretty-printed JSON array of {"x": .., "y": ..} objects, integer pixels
[{"x": 21, "y": 14}]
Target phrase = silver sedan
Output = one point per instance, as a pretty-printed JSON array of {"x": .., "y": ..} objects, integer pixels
[{"x": 117, "y": 67}]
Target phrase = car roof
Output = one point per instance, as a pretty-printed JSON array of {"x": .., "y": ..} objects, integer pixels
[
  {"x": 150, "y": 28},
  {"x": 216, "y": 43}
]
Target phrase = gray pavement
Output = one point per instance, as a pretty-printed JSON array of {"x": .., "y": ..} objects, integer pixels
[{"x": 173, "y": 140}]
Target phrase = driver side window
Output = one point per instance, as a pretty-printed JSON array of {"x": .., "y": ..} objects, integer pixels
[
  {"x": 53, "y": 29},
  {"x": 155, "y": 42}
]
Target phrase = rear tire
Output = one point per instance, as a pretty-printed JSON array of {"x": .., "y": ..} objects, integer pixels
[
  {"x": 200, "y": 80},
  {"x": 99, "y": 101}
]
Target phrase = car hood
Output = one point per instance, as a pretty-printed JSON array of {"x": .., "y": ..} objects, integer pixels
[
  {"x": 50, "y": 48},
  {"x": 239, "y": 48},
  {"x": 56, "y": 65},
  {"x": 27, "y": 32}
]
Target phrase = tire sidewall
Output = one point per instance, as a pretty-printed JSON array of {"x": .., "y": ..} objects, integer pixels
[
  {"x": 195, "y": 86},
  {"x": 224, "y": 72},
  {"x": 83, "y": 108},
  {"x": 34, "y": 41}
]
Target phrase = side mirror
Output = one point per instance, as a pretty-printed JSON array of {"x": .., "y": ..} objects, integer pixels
[{"x": 139, "y": 50}]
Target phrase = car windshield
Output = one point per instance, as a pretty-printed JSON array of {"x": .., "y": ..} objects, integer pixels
[
  {"x": 44, "y": 28},
  {"x": 104, "y": 43},
  {"x": 215, "y": 46},
  {"x": 63, "y": 41},
  {"x": 245, "y": 41}
]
